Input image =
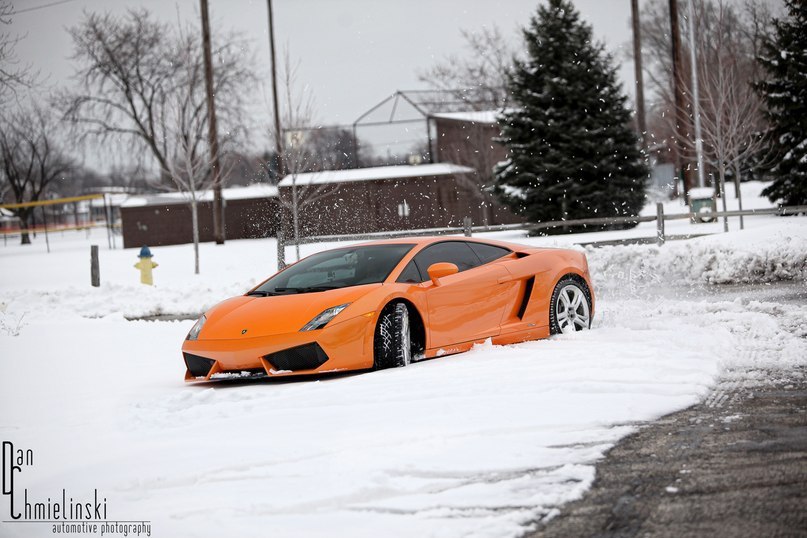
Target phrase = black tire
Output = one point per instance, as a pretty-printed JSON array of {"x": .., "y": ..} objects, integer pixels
[
  {"x": 569, "y": 318},
  {"x": 392, "y": 345}
]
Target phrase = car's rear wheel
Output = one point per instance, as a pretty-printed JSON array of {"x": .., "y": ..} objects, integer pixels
[
  {"x": 393, "y": 344},
  {"x": 570, "y": 309}
]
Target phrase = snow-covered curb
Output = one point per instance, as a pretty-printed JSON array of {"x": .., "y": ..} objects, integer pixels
[{"x": 734, "y": 258}]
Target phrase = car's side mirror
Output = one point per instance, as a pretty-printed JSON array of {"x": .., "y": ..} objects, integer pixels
[{"x": 439, "y": 270}]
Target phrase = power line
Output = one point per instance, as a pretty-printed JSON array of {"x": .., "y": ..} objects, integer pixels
[{"x": 43, "y": 6}]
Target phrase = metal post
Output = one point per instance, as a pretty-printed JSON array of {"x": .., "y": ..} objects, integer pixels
[
  {"x": 95, "y": 272},
  {"x": 660, "y": 223},
  {"x": 678, "y": 91},
  {"x": 45, "y": 224},
  {"x": 276, "y": 107},
  {"x": 466, "y": 226},
  {"x": 356, "y": 163},
  {"x": 108, "y": 229},
  {"x": 637, "y": 65},
  {"x": 281, "y": 248},
  {"x": 430, "y": 141},
  {"x": 695, "y": 95},
  {"x": 212, "y": 129}
]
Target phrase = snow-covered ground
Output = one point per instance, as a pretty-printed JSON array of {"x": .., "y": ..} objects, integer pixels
[{"x": 478, "y": 444}]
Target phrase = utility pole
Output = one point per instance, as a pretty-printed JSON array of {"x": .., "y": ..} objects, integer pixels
[
  {"x": 212, "y": 131},
  {"x": 637, "y": 65},
  {"x": 678, "y": 90},
  {"x": 695, "y": 99},
  {"x": 278, "y": 141}
]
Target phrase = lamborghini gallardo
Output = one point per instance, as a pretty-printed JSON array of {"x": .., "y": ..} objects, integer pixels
[{"x": 384, "y": 304}]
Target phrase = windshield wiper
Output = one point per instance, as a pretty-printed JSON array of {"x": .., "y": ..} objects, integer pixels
[
  {"x": 308, "y": 289},
  {"x": 261, "y": 293}
]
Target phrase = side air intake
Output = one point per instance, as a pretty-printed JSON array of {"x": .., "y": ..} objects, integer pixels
[{"x": 526, "y": 299}]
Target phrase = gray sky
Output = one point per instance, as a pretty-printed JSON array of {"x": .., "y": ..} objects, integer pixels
[{"x": 352, "y": 53}]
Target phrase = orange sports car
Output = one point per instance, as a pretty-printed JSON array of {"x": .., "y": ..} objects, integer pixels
[{"x": 386, "y": 303}]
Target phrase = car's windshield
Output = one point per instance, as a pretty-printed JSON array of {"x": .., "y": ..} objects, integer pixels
[{"x": 337, "y": 268}]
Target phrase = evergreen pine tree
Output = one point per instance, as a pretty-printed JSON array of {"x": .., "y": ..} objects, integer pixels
[
  {"x": 572, "y": 153},
  {"x": 785, "y": 94}
]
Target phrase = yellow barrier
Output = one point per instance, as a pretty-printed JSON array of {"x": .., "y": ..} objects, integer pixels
[
  {"x": 57, "y": 201},
  {"x": 52, "y": 229}
]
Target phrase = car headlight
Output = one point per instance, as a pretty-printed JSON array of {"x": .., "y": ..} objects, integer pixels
[
  {"x": 194, "y": 334},
  {"x": 324, "y": 317}
]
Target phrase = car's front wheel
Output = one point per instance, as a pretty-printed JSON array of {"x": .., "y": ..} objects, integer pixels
[
  {"x": 393, "y": 345},
  {"x": 570, "y": 309}
]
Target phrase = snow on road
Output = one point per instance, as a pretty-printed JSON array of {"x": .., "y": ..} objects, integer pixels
[{"x": 479, "y": 444}]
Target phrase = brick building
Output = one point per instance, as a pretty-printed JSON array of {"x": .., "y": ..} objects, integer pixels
[
  {"x": 467, "y": 139},
  {"x": 165, "y": 219},
  {"x": 351, "y": 201},
  {"x": 387, "y": 198}
]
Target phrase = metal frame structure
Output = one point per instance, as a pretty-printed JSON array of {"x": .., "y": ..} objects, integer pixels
[{"x": 423, "y": 102}]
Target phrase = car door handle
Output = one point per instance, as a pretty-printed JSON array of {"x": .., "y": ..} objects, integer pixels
[{"x": 506, "y": 279}]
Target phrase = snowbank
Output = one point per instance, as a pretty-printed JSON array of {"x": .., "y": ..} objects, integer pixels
[{"x": 765, "y": 254}]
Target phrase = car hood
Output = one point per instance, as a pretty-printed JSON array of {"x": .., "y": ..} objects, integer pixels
[{"x": 251, "y": 316}]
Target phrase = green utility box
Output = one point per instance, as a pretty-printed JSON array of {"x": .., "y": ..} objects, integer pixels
[{"x": 702, "y": 201}]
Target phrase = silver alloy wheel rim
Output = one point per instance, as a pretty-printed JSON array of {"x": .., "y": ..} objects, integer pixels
[
  {"x": 406, "y": 339},
  {"x": 571, "y": 310}
]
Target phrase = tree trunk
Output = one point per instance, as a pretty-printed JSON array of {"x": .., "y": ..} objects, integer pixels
[
  {"x": 25, "y": 237},
  {"x": 195, "y": 221},
  {"x": 722, "y": 175},
  {"x": 295, "y": 215},
  {"x": 738, "y": 192},
  {"x": 25, "y": 216},
  {"x": 564, "y": 210},
  {"x": 487, "y": 210}
]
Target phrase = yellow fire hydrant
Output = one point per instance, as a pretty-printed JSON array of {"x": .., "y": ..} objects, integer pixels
[{"x": 145, "y": 265}]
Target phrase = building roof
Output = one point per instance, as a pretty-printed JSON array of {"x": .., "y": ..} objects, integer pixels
[
  {"x": 701, "y": 192},
  {"x": 474, "y": 116},
  {"x": 7, "y": 214},
  {"x": 376, "y": 173},
  {"x": 113, "y": 199},
  {"x": 258, "y": 190}
]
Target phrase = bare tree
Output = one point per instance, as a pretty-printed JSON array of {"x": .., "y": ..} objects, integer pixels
[
  {"x": 298, "y": 117},
  {"x": 477, "y": 78},
  {"x": 733, "y": 119},
  {"x": 32, "y": 159},
  {"x": 743, "y": 26},
  {"x": 130, "y": 67},
  {"x": 13, "y": 75},
  {"x": 334, "y": 148},
  {"x": 188, "y": 164},
  {"x": 731, "y": 112}
]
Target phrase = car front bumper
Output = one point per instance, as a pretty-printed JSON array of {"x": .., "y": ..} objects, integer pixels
[{"x": 346, "y": 345}]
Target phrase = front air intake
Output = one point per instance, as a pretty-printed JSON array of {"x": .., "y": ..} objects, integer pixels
[
  {"x": 198, "y": 366},
  {"x": 305, "y": 357}
]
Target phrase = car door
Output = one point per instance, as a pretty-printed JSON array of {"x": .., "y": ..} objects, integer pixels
[{"x": 468, "y": 305}]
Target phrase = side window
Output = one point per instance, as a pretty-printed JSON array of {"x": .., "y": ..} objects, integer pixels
[
  {"x": 456, "y": 252},
  {"x": 410, "y": 274},
  {"x": 488, "y": 253}
]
